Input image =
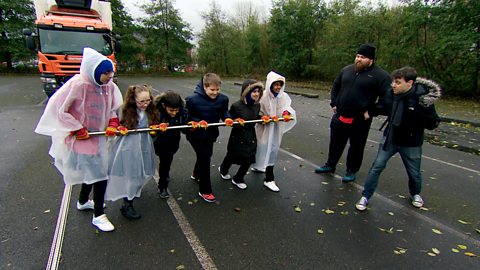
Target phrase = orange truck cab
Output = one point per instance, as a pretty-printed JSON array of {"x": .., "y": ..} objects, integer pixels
[{"x": 64, "y": 28}]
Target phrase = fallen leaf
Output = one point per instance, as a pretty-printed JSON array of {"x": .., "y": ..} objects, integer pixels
[
  {"x": 397, "y": 252},
  {"x": 320, "y": 231},
  {"x": 424, "y": 208},
  {"x": 436, "y": 231},
  {"x": 477, "y": 230},
  {"x": 401, "y": 196},
  {"x": 455, "y": 250},
  {"x": 237, "y": 209},
  {"x": 180, "y": 267},
  {"x": 189, "y": 202},
  {"x": 391, "y": 213},
  {"x": 328, "y": 211},
  {"x": 298, "y": 209},
  {"x": 470, "y": 254},
  {"x": 312, "y": 204},
  {"x": 431, "y": 254},
  {"x": 462, "y": 247},
  {"x": 399, "y": 230},
  {"x": 172, "y": 250},
  {"x": 341, "y": 203},
  {"x": 464, "y": 222},
  {"x": 436, "y": 251},
  {"x": 344, "y": 213},
  {"x": 46, "y": 211},
  {"x": 325, "y": 183}
]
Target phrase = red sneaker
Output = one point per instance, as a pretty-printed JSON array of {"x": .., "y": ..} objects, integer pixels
[{"x": 207, "y": 197}]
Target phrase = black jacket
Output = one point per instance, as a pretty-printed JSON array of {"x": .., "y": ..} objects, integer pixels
[
  {"x": 354, "y": 93},
  {"x": 170, "y": 138},
  {"x": 242, "y": 143},
  {"x": 201, "y": 107},
  {"x": 417, "y": 114}
]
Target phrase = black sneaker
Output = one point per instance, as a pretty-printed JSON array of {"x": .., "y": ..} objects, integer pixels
[
  {"x": 163, "y": 193},
  {"x": 325, "y": 169},
  {"x": 129, "y": 212}
]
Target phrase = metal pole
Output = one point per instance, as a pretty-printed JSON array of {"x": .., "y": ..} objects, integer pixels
[{"x": 186, "y": 126}]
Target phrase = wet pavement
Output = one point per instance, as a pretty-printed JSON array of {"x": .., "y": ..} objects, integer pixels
[{"x": 310, "y": 224}]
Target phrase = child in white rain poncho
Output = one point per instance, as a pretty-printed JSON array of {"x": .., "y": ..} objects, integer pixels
[
  {"x": 88, "y": 101},
  {"x": 274, "y": 102},
  {"x": 132, "y": 156}
]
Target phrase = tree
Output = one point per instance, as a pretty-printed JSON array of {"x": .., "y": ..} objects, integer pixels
[
  {"x": 294, "y": 28},
  {"x": 132, "y": 48},
  {"x": 14, "y": 16},
  {"x": 167, "y": 35},
  {"x": 220, "y": 44}
]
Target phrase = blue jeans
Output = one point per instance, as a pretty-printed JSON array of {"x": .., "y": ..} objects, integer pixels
[{"x": 411, "y": 157}]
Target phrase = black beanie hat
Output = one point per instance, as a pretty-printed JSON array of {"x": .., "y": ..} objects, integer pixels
[{"x": 367, "y": 50}]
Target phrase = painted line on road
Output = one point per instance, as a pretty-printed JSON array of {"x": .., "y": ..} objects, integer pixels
[
  {"x": 56, "y": 248},
  {"x": 433, "y": 222},
  {"x": 200, "y": 251},
  {"x": 441, "y": 161}
]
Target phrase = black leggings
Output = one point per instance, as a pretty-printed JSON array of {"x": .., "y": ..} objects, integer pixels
[{"x": 99, "y": 189}]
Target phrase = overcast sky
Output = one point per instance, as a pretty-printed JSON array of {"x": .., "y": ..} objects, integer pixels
[{"x": 191, "y": 10}]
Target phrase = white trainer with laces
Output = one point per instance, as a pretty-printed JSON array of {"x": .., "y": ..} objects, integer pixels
[
  {"x": 362, "y": 204},
  {"x": 102, "y": 223},
  {"x": 224, "y": 176},
  {"x": 271, "y": 185},
  {"x": 86, "y": 206},
  {"x": 239, "y": 185},
  {"x": 417, "y": 201}
]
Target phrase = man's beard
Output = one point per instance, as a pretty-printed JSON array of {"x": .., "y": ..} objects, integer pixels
[{"x": 360, "y": 66}]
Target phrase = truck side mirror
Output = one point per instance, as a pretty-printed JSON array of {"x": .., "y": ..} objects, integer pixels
[
  {"x": 27, "y": 32},
  {"x": 31, "y": 43},
  {"x": 118, "y": 46}
]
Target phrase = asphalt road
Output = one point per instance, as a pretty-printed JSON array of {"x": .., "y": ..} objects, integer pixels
[{"x": 310, "y": 224}]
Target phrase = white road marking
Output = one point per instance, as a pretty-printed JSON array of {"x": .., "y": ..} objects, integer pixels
[
  {"x": 410, "y": 210},
  {"x": 200, "y": 251},
  {"x": 56, "y": 248}
]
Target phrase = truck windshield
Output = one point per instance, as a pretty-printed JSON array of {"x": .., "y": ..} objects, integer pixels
[{"x": 72, "y": 42}]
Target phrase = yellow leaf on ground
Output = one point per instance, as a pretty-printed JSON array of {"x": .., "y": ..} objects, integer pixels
[
  {"x": 328, "y": 211},
  {"x": 436, "y": 251},
  {"x": 431, "y": 254},
  {"x": 455, "y": 250},
  {"x": 298, "y": 209},
  {"x": 320, "y": 231},
  {"x": 424, "y": 208},
  {"x": 436, "y": 231},
  {"x": 462, "y": 247},
  {"x": 464, "y": 222},
  {"x": 470, "y": 254},
  {"x": 391, "y": 213}
]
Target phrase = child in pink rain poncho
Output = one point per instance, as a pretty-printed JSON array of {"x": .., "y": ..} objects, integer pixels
[{"x": 87, "y": 102}]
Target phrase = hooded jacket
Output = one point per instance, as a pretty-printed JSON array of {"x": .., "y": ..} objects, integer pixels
[
  {"x": 269, "y": 136},
  {"x": 80, "y": 102},
  {"x": 202, "y": 107},
  {"x": 242, "y": 143},
  {"x": 411, "y": 113}
]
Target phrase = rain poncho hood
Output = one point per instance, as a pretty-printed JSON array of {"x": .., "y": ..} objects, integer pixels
[
  {"x": 270, "y": 136},
  {"x": 80, "y": 102}
]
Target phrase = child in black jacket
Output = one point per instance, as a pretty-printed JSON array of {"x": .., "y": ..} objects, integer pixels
[
  {"x": 172, "y": 113},
  {"x": 242, "y": 144}
]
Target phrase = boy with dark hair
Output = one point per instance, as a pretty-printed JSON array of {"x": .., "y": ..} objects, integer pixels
[
  {"x": 206, "y": 105},
  {"x": 410, "y": 106},
  {"x": 172, "y": 113}
]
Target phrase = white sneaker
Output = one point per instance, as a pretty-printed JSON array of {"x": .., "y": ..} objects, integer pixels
[
  {"x": 239, "y": 185},
  {"x": 362, "y": 204},
  {"x": 89, "y": 205},
  {"x": 417, "y": 201},
  {"x": 253, "y": 169},
  {"x": 86, "y": 206},
  {"x": 226, "y": 176},
  {"x": 102, "y": 223},
  {"x": 271, "y": 185}
]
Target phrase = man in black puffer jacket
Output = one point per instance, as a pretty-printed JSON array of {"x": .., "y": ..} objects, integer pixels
[
  {"x": 354, "y": 98},
  {"x": 411, "y": 111}
]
